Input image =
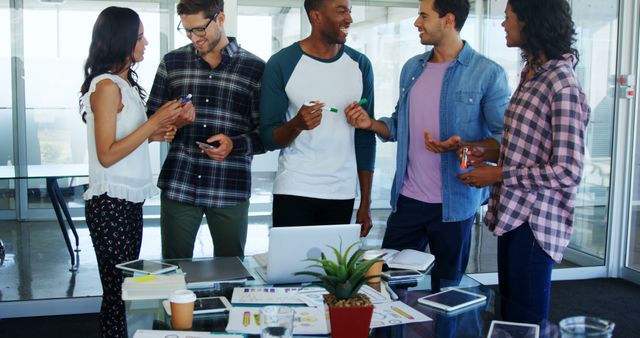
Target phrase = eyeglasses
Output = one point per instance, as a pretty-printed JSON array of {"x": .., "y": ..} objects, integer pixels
[{"x": 198, "y": 31}]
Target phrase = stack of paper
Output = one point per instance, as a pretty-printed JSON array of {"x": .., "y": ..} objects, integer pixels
[{"x": 152, "y": 286}]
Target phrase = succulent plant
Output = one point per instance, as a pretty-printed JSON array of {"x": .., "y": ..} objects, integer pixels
[{"x": 343, "y": 276}]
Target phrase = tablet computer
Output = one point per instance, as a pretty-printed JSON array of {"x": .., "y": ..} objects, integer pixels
[
  {"x": 452, "y": 299},
  {"x": 204, "y": 305},
  {"x": 145, "y": 266},
  {"x": 500, "y": 329}
]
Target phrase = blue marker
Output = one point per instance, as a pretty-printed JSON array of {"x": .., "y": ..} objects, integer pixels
[{"x": 186, "y": 100}]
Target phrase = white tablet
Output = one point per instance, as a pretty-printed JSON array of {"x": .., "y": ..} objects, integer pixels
[
  {"x": 204, "y": 305},
  {"x": 452, "y": 299},
  {"x": 511, "y": 329},
  {"x": 144, "y": 266}
]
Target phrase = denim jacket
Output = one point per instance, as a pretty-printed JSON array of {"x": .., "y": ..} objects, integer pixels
[{"x": 474, "y": 96}]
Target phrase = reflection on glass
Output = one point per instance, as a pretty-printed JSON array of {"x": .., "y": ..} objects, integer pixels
[
  {"x": 633, "y": 251},
  {"x": 7, "y": 193},
  {"x": 597, "y": 24}
]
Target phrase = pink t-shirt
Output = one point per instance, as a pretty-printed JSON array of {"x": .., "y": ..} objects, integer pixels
[{"x": 423, "y": 181}]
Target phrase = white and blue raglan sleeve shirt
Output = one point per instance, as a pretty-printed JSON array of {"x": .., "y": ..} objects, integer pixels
[{"x": 323, "y": 162}]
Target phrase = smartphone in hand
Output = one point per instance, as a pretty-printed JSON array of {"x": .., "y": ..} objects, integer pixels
[{"x": 213, "y": 145}]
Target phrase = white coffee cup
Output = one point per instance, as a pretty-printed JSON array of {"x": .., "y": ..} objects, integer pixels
[{"x": 182, "y": 302}]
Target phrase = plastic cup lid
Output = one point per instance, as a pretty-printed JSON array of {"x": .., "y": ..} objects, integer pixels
[{"x": 182, "y": 296}]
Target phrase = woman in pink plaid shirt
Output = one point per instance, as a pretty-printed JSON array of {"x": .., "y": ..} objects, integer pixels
[{"x": 541, "y": 156}]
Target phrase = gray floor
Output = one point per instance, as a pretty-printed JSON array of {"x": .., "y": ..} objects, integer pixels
[{"x": 37, "y": 263}]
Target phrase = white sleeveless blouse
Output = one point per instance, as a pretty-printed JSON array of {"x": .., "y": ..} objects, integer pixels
[{"x": 130, "y": 178}]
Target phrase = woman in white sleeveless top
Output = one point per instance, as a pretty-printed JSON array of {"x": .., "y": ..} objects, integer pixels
[{"x": 118, "y": 134}]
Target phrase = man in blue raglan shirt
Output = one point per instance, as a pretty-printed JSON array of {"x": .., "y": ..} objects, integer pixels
[{"x": 322, "y": 157}]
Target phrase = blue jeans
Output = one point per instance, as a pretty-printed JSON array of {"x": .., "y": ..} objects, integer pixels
[
  {"x": 416, "y": 224},
  {"x": 524, "y": 275}
]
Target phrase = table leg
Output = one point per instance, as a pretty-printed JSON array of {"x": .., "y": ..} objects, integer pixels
[{"x": 57, "y": 202}]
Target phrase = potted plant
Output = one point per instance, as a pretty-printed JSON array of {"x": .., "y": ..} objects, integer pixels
[{"x": 349, "y": 312}]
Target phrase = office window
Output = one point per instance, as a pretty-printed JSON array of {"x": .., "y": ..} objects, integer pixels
[
  {"x": 7, "y": 194},
  {"x": 597, "y": 27},
  {"x": 56, "y": 43}
]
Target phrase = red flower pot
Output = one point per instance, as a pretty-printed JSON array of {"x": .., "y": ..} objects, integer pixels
[{"x": 350, "y": 322}]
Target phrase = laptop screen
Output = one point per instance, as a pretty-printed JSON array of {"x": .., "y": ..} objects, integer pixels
[{"x": 289, "y": 246}]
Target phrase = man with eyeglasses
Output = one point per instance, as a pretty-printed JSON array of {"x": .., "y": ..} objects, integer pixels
[
  {"x": 208, "y": 167},
  {"x": 307, "y": 88}
]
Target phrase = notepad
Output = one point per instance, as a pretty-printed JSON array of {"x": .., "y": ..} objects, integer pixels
[
  {"x": 408, "y": 259},
  {"x": 204, "y": 273},
  {"x": 152, "y": 286}
]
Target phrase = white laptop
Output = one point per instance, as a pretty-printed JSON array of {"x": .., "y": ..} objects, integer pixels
[{"x": 289, "y": 246}]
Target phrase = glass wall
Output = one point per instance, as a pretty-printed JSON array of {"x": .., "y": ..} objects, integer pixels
[
  {"x": 633, "y": 258},
  {"x": 56, "y": 37},
  {"x": 7, "y": 194},
  {"x": 53, "y": 65},
  {"x": 597, "y": 24}
]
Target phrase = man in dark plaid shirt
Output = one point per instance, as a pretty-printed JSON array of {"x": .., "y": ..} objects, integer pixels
[{"x": 224, "y": 81}]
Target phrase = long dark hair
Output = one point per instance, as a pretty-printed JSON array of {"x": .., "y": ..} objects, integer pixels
[
  {"x": 548, "y": 29},
  {"x": 113, "y": 41}
]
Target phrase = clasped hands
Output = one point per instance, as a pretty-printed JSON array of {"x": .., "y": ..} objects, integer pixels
[{"x": 481, "y": 175}]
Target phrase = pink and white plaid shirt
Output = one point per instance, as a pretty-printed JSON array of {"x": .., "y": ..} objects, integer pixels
[{"x": 542, "y": 156}]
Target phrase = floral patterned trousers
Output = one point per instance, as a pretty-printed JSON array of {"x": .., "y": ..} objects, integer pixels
[{"x": 115, "y": 226}]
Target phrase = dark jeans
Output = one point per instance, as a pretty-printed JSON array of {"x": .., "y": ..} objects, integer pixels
[
  {"x": 416, "y": 224},
  {"x": 289, "y": 210},
  {"x": 524, "y": 274}
]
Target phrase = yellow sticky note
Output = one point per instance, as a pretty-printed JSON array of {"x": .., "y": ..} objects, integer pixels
[{"x": 146, "y": 278}]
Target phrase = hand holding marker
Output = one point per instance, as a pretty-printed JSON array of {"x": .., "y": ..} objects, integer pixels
[
  {"x": 465, "y": 159},
  {"x": 335, "y": 110},
  {"x": 186, "y": 100}
]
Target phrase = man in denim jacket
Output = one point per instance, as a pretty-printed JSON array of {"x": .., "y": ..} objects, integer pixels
[{"x": 450, "y": 97}]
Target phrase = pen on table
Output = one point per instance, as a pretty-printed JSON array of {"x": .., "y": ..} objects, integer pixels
[
  {"x": 392, "y": 294},
  {"x": 402, "y": 313},
  {"x": 256, "y": 317},
  {"x": 246, "y": 318}
]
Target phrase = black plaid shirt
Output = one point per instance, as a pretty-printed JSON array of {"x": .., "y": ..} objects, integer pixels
[{"x": 227, "y": 100}]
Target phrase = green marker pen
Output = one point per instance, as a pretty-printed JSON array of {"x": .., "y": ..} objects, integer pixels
[
  {"x": 362, "y": 101},
  {"x": 331, "y": 109}
]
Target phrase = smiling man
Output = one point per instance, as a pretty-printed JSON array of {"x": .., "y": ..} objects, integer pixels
[
  {"x": 224, "y": 81},
  {"x": 322, "y": 157},
  {"x": 450, "y": 96}
]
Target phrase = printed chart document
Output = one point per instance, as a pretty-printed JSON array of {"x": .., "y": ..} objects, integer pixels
[
  {"x": 395, "y": 313},
  {"x": 182, "y": 334},
  {"x": 205, "y": 273},
  {"x": 266, "y": 295},
  {"x": 314, "y": 296},
  {"x": 307, "y": 320}
]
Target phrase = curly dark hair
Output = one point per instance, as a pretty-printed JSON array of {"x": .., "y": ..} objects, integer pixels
[
  {"x": 548, "y": 29},
  {"x": 113, "y": 41}
]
